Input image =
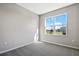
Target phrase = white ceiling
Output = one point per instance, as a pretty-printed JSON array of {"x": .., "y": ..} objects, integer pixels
[{"x": 40, "y": 8}]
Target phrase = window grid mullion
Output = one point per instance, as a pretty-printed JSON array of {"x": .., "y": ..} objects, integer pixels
[{"x": 54, "y": 20}]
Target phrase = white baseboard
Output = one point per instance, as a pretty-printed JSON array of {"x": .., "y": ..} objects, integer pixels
[
  {"x": 73, "y": 47},
  {"x": 15, "y": 48}
]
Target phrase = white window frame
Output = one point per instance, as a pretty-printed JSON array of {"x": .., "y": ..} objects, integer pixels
[{"x": 57, "y": 25}]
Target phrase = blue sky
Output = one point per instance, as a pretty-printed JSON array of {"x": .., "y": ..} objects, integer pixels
[
  {"x": 49, "y": 21},
  {"x": 61, "y": 19}
]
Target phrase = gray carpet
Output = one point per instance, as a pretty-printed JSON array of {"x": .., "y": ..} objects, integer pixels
[{"x": 42, "y": 49}]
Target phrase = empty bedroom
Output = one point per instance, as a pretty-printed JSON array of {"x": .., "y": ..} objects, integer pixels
[{"x": 39, "y": 29}]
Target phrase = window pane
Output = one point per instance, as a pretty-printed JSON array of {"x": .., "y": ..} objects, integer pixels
[
  {"x": 60, "y": 30},
  {"x": 60, "y": 19},
  {"x": 49, "y": 25},
  {"x": 49, "y": 30},
  {"x": 48, "y": 22}
]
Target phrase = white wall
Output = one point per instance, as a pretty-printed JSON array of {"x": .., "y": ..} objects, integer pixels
[
  {"x": 17, "y": 26},
  {"x": 72, "y": 38}
]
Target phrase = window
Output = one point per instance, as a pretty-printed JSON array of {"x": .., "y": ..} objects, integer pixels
[{"x": 56, "y": 25}]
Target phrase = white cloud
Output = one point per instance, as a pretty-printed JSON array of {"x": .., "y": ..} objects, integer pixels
[
  {"x": 58, "y": 23},
  {"x": 58, "y": 27}
]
